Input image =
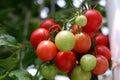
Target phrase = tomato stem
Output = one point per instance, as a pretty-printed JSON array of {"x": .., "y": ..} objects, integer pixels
[
  {"x": 37, "y": 71},
  {"x": 79, "y": 30}
]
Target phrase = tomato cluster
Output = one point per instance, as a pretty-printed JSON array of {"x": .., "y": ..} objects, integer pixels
[{"x": 79, "y": 52}]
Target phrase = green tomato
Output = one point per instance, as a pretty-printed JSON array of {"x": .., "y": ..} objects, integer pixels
[
  {"x": 49, "y": 71},
  {"x": 65, "y": 41},
  {"x": 88, "y": 62},
  {"x": 81, "y": 20},
  {"x": 79, "y": 74}
]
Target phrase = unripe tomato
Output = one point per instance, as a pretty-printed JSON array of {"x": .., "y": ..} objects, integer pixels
[
  {"x": 83, "y": 42},
  {"x": 101, "y": 66},
  {"x": 46, "y": 50},
  {"x": 79, "y": 74},
  {"x": 65, "y": 61},
  {"x": 65, "y": 41},
  {"x": 88, "y": 62},
  {"x": 49, "y": 71},
  {"x": 39, "y": 35},
  {"x": 47, "y": 23},
  {"x": 94, "y": 21},
  {"x": 103, "y": 50},
  {"x": 81, "y": 20}
]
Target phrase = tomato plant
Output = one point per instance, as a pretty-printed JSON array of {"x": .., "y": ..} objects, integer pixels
[
  {"x": 51, "y": 45},
  {"x": 46, "y": 50},
  {"x": 65, "y": 61}
]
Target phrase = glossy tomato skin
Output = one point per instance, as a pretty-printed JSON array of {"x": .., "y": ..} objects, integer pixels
[
  {"x": 83, "y": 42},
  {"x": 47, "y": 23},
  {"x": 101, "y": 66},
  {"x": 103, "y": 50},
  {"x": 65, "y": 61},
  {"x": 46, "y": 50},
  {"x": 75, "y": 29},
  {"x": 94, "y": 21},
  {"x": 102, "y": 39},
  {"x": 91, "y": 34},
  {"x": 39, "y": 35}
]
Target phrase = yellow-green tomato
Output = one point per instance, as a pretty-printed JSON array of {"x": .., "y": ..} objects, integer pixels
[
  {"x": 81, "y": 20},
  {"x": 79, "y": 74},
  {"x": 88, "y": 62},
  {"x": 65, "y": 41},
  {"x": 49, "y": 71}
]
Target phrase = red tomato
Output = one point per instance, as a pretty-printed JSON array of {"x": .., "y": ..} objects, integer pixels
[
  {"x": 55, "y": 27},
  {"x": 39, "y": 35},
  {"x": 47, "y": 23},
  {"x": 101, "y": 66},
  {"x": 83, "y": 43},
  {"x": 102, "y": 39},
  {"x": 103, "y": 50},
  {"x": 91, "y": 34},
  {"x": 46, "y": 50},
  {"x": 65, "y": 61},
  {"x": 75, "y": 29},
  {"x": 94, "y": 21}
]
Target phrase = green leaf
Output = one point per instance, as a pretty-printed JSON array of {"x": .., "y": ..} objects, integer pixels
[
  {"x": 8, "y": 46},
  {"x": 29, "y": 56},
  {"x": 8, "y": 63},
  {"x": 7, "y": 40},
  {"x": 20, "y": 75}
]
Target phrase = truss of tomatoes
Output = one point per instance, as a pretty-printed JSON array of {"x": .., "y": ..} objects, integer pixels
[{"x": 79, "y": 54}]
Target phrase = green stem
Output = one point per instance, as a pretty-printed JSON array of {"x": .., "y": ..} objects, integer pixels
[
  {"x": 21, "y": 58},
  {"x": 25, "y": 31},
  {"x": 78, "y": 29},
  {"x": 37, "y": 71}
]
